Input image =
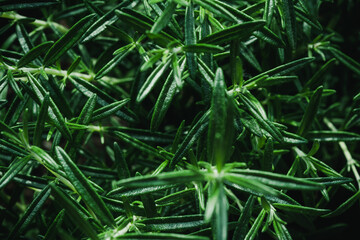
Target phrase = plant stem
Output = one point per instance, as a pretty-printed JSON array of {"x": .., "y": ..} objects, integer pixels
[
  {"x": 63, "y": 73},
  {"x": 351, "y": 163},
  {"x": 37, "y": 22}
]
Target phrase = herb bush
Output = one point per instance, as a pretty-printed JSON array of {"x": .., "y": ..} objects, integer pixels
[{"x": 182, "y": 119}]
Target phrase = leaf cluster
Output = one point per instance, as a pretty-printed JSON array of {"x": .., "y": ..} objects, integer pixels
[{"x": 177, "y": 119}]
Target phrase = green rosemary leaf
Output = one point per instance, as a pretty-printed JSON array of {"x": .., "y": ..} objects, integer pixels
[
  {"x": 330, "y": 136},
  {"x": 193, "y": 135},
  {"x": 346, "y": 60},
  {"x": 202, "y": 48},
  {"x": 277, "y": 180},
  {"x": 99, "y": 26},
  {"x": 287, "y": 12},
  {"x": 301, "y": 209},
  {"x": 190, "y": 38},
  {"x": 13, "y": 170},
  {"x": 159, "y": 236},
  {"x": 14, "y": 5},
  {"x": 53, "y": 111},
  {"x": 84, "y": 188},
  {"x": 310, "y": 112},
  {"x": 239, "y": 31},
  {"x": 68, "y": 40},
  {"x": 152, "y": 80},
  {"x": 344, "y": 206},
  {"x": 30, "y": 213},
  {"x": 74, "y": 211},
  {"x": 34, "y": 53},
  {"x": 165, "y": 17}
]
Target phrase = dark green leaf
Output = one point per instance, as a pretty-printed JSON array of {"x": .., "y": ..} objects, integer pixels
[
  {"x": 123, "y": 36},
  {"x": 177, "y": 71},
  {"x": 176, "y": 177},
  {"x": 84, "y": 188},
  {"x": 143, "y": 24},
  {"x": 131, "y": 192},
  {"x": 23, "y": 37},
  {"x": 73, "y": 210},
  {"x": 34, "y": 53},
  {"x": 346, "y": 60},
  {"x": 266, "y": 81},
  {"x": 136, "y": 19},
  {"x": 269, "y": 11},
  {"x": 87, "y": 111},
  {"x": 30, "y": 213},
  {"x": 144, "y": 135},
  {"x": 202, "y": 48},
  {"x": 331, "y": 136},
  {"x": 248, "y": 55},
  {"x": 92, "y": 7},
  {"x": 174, "y": 197},
  {"x": 13, "y": 5},
  {"x": 287, "y": 12},
  {"x": 281, "y": 230},
  {"x": 216, "y": 8},
  {"x": 16, "y": 166},
  {"x": 193, "y": 135},
  {"x": 165, "y": 17},
  {"x": 306, "y": 17},
  {"x": 330, "y": 181},
  {"x": 220, "y": 225},
  {"x": 122, "y": 166},
  {"x": 99, "y": 26},
  {"x": 239, "y": 31},
  {"x": 138, "y": 144},
  {"x": 108, "y": 110},
  {"x": 6, "y": 128},
  {"x": 265, "y": 123},
  {"x": 256, "y": 226},
  {"x": 190, "y": 38},
  {"x": 301, "y": 209},
  {"x": 244, "y": 219},
  {"x": 73, "y": 66},
  {"x": 237, "y": 71},
  {"x": 159, "y": 236},
  {"x": 54, "y": 88},
  {"x": 53, "y": 111},
  {"x": 293, "y": 139},
  {"x": 277, "y": 180},
  {"x": 310, "y": 112},
  {"x": 318, "y": 78},
  {"x": 163, "y": 102},
  {"x": 285, "y": 68},
  {"x": 250, "y": 184},
  {"x": 264, "y": 34},
  {"x": 152, "y": 80},
  {"x": 103, "y": 98},
  {"x": 68, "y": 40},
  {"x": 9, "y": 147},
  {"x": 173, "y": 224},
  {"x": 344, "y": 206},
  {"x": 267, "y": 160},
  {"x": 114, "y": 61},
  {"x": 220, "y": 133},
  {"x": 14, "y": 85},
  {"x": 52, "y": 231}
]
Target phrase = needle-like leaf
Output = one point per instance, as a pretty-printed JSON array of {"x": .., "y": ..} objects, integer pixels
[
  {"x": 68, "y": 40},
  {"x": 310, "y": 112},
  {"x": 84, "y": 188},
  {"x": 30, "y": 213}
]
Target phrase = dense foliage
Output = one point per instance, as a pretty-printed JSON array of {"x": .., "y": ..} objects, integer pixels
[{"x": 178, "y": 119}]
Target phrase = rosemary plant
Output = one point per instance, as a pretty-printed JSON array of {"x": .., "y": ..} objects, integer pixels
[{"x": 178, "y": 119}]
